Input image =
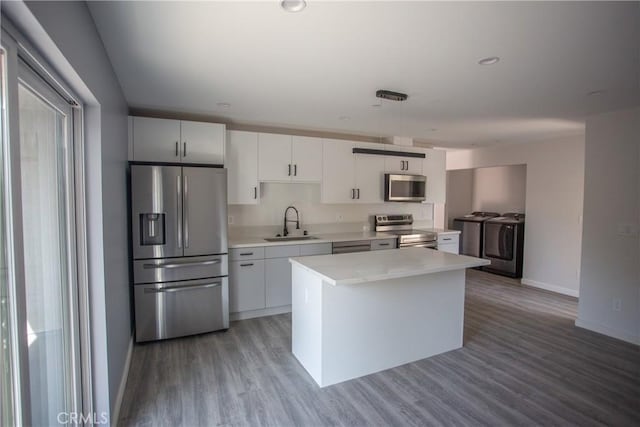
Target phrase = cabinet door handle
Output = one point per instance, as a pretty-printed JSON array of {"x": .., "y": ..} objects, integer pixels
[
  {"x": 255, "y": 193},
  {"x": 184, "y": 149},
  {"x": 246, "y": 253},
  {"x": 249, "y": 264},
  {"x": 448, "y": 238},
  {"x": 289, "y": 169},
  {"x": 401, "y": 165},
  {"x": 383, "y": 244},
  {"x": 295, "y": 170},
  {"x": 177, "y": 152},
  {"x": 358, "y": 194},
  {"x": 353, "y": 193}
]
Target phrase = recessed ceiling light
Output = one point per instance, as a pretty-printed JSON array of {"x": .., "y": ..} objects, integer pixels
[
  {"x": 223, "y": 105},
  {"x": 596, "y": 92},
  {"x": 489, "y": 61},
  {"x": 344, "y": 117},
  {"x": 293, "y": 5}
]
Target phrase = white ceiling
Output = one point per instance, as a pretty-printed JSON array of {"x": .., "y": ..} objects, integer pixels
[{"x": 307, "y": 70}]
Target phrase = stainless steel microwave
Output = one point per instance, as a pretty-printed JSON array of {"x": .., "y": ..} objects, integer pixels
[{"x": 404, "y": 188}]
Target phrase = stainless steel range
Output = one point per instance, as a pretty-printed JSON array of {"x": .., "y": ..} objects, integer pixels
[{"x": 402, "y": 226}]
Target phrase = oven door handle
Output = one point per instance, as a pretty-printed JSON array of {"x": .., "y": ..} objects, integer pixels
[{"x": 421, "y": 245}]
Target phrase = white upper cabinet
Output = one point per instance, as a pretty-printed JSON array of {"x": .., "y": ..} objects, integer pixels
[
  {"x": 156, "y": 140},
  {"x": 306, "y": 157},
  {"x": 369, "y": 175},
  {"x": 202, "y": 142},
  {"x": 404, "y": 165},
  {"x": 175, "y": 141},
  {"x": 338, "y": 171},
  {"x": 349, "y": 177},
  {"x": 242, "y": 168},
  {"x": 274, "y": 157},
  {"x": 286, "y": 158},
  {"x": 435, "y": 170}
]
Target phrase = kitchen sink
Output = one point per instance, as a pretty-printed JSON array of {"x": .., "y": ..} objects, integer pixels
[{"x": 289, "y": 239}]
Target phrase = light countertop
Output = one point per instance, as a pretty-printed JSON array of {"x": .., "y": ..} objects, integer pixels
[
  {"x": 253, "y": 241},
  {"x": 442, "y": 230},
  {"x": 361, "y": 267}
]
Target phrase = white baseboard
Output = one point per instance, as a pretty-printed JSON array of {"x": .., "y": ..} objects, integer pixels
[
  {"x": 260, "y": 313},
  {"x": 115, "y": 414},
  {"x": 610, "y": 332},
  {"x": 549, "y": 287}
]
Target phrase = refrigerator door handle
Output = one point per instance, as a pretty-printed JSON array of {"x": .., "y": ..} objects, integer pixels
[
  {"x": 186, "y": 211},
  {"x": 179, "y": 211},
  {"x": 181, "y": 288},
  {"x": 182, "y": 264}
]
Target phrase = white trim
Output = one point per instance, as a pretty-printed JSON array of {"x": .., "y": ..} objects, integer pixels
[
  {"x": 608, "y": 331},
  {"x": 549, "y": 287},
  {"x": 260, "y": 313},
  {"x": 115, "y": 414}
]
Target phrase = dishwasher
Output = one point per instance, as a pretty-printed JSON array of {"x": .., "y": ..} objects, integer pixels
[{"x": 351, "y": 246}]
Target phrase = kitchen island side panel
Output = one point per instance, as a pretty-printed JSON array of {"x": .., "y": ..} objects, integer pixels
[
  {"x": 306, "y": 320},
  {"x": 374, "y": 326}
]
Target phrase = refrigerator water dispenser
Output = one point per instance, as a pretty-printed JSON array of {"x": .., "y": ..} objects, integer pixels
[{"x": 152, "y": 229}]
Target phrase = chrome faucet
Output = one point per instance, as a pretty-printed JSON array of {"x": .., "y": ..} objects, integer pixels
[{"x": 285, "y": 232}]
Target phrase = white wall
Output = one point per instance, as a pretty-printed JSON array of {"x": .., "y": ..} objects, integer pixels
[
  {"x": 314, "y": 215},
  {"x": 66, "y": 36},
  {"x": 554, "y": 190},
  {"x": 610, "y": 257},
  {"x": 500, "y": 189}
]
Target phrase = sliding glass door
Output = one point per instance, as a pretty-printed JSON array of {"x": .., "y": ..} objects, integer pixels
[{"x": 44, "y": 381}]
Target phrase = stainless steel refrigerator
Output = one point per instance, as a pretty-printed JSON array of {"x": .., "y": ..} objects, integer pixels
[{"x": 180, "y": 264}]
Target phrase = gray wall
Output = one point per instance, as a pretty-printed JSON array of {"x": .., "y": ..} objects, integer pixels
[
  {"x": 610, "y": 255},
  {"x": 495, "y": 189},
  {"x": 459, "y": 194},
  {"x": 66, "y": 36},
  {"x": 500, "y": 189}
]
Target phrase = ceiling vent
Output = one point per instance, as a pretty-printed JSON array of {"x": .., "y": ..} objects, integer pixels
[{"x": 393, "y": 96}]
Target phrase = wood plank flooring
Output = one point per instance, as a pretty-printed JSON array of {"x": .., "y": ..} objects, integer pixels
[{"x": 523, "y": 363}]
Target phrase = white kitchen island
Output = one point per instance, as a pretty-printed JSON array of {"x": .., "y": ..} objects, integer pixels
[{"x": 360, "y": 313}]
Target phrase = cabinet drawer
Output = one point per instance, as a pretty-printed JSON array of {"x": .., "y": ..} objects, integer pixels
[
  {"x": 239, "y": 254},
  {"x": 377, "y": 245},
  {"x": 315, "y": 249},
  {"x": 448, "y": 238},
  {"x": 284, "y": 251}
]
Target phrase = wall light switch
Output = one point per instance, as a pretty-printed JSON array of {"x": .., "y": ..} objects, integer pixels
[{"x": 617, "y": 304}]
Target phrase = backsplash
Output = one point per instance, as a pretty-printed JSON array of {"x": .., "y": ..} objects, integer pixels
[{"x": 314, "y": 216}]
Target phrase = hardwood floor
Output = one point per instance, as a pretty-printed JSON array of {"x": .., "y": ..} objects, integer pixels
[{"x": 523, "y": 363}]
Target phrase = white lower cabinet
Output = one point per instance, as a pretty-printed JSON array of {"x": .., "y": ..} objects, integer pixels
[
  {"x": 265, "y": 283},
  {"x": 277, "y": 279},
  {"x": 449, "y": 243},
  {"x": 246, "y": 285}
]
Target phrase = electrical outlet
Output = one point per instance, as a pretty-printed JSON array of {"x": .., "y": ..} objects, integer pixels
[
  {"x": 617, "y": 304},
  {"x": 627, "y": 229},
  {"x": 230, "y": 221},
  {"x": 339, "y": 217}
]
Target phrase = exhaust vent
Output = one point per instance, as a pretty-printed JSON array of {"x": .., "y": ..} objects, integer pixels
[{"x": 393, "y": 96}]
